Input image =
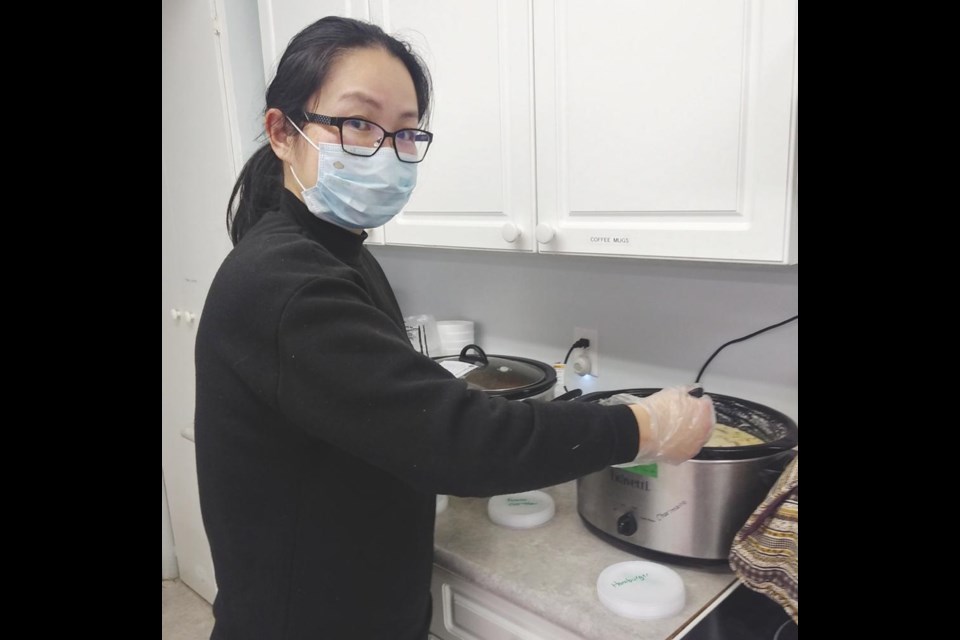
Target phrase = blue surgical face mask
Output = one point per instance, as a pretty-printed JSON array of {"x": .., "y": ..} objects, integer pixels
[{"x": 357, "y": 192}]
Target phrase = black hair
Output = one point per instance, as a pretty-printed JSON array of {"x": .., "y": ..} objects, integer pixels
[{"x": 300, "y": 74}]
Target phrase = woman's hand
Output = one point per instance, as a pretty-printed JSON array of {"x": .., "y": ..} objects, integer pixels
[{"x": 674, "y": 425}]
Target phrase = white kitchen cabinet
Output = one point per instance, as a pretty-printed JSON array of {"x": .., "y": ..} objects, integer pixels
[
  {"x": 631, "y": 128},
  {"x": 476, "y": 187},
  {"x": 280, "y": 20},
  {"x": 661, "y": 129},
  {"x": 667, "y": 129}
]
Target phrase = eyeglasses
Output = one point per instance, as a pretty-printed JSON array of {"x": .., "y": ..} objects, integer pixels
[{"x": 361, "y": 137}]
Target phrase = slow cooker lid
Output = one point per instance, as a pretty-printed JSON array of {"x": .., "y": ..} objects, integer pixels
[{"x": 507, "y": 376}]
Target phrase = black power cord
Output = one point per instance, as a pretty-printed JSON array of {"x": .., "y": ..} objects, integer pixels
[
  {"x": 747, "y": 337},
  {"x": 582, "y": 343}
]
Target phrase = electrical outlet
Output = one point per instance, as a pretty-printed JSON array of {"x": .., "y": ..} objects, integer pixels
[{"x": 591, "y": 353}]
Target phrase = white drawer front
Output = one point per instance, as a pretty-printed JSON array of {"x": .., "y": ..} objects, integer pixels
[{"x": 467, "y": 612}]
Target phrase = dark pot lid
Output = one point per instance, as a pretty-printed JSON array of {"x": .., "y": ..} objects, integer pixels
[
  {"x": 778, "y": 432},
  {"x": 506, "y": 376}
]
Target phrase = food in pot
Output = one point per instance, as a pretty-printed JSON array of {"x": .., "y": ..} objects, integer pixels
[{"x": 726, "y": 436}]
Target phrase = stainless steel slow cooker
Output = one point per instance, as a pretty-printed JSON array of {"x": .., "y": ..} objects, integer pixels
[
  {"x": 506, "y": 376},
  {"x": 693, "y": 509}
]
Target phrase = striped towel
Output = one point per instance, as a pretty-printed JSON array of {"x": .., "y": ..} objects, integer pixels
[{"x": 766, "y": 551}]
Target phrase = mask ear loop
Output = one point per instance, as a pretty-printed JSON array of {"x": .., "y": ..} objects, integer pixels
[{"x": 309, "y": 141}]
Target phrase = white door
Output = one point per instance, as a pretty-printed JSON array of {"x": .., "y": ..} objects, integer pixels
[
  {"x": 197, "y": 174},
  {"x": 475, "y": 188},
  {"x": 667, "y": 129}
]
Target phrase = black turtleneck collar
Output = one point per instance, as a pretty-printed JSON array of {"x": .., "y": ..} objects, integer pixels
[{"x": 341, "y": 242}]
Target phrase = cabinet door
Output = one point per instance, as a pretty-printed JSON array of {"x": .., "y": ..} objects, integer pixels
[
  {"x": 280, "y": 20},
  {"x": 667, "y": 129},
  {"x": 476, "y": 187}
]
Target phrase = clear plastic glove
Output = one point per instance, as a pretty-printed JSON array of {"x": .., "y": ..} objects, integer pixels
[{"x": 675, "y": 427}]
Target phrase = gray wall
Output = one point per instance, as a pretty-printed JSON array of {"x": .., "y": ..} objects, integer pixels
[{"x": 658, "y": 321}]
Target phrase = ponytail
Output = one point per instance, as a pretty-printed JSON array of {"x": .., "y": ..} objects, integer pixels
[{"x": 258, "y": 190}]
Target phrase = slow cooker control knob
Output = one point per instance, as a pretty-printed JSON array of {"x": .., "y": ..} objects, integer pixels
[{"x": 626, "y": 524}]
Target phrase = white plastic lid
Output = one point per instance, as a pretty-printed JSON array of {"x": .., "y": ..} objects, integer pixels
[
  {"x": 442, "y": 502},
  {"x": 641, "y": 590},
  {"x": 521, "y": 510}
]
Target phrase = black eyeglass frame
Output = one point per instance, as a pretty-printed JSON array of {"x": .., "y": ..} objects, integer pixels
[{"x": 337, "y": 122}]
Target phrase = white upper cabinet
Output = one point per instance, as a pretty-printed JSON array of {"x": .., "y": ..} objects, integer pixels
[
  {"x": 667, "y": 129},
  {"x": 476, "y": 185},
  {"x": 634, "y": 127},
  {"x": 280, "y": 20}
]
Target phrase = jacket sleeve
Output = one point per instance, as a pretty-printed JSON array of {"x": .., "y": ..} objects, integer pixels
[{"x": 348, "y": 376}]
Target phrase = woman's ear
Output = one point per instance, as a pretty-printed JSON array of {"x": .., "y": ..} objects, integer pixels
[{"x": 282, "y": 143}]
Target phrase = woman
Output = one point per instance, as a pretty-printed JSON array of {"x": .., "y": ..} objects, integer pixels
[{"x": 322, "y": 437}]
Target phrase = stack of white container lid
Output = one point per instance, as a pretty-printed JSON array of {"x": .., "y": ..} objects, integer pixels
[{"x": 454, "y": 336}]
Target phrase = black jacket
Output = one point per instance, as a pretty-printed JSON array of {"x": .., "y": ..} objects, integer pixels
[{"x": 322, "y": 438}]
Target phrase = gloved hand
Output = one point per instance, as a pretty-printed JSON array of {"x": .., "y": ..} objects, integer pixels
[{"x": 673, "y": 425}]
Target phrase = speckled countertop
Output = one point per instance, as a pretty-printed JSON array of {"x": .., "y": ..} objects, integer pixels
[{"x": 552, "y": 570}]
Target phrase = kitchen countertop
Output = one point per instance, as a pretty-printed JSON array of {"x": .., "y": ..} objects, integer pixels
[{"x": 552, "y": 570}]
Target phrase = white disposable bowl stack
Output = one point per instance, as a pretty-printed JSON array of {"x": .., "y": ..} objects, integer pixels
[{"x": 454, "y": 335}]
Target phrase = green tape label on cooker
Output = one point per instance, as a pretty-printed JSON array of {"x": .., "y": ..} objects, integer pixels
[{"x": 649, "y": 470}]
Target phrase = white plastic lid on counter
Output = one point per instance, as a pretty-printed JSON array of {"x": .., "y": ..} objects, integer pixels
[
  {"x": 641, "y": 590},
  {"x": 521, "y": 510}
]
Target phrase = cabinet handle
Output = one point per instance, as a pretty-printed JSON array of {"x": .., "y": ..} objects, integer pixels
[
  {"x": 189, "y": 317},
  {"x": 175, "y": 314},
  {"x": 510, "y": 232},
  {"x": 545, "y": 233}
]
